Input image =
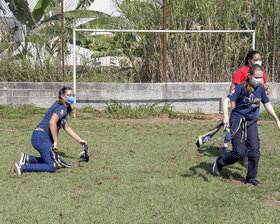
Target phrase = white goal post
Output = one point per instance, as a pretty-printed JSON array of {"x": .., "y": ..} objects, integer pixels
[{"x": 253, "y": 32}]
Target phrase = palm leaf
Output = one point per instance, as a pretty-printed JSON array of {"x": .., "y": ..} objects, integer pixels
[
  {"x": 105, "y": 22},
  {"x": 76, "y": 14},
  {"x": 41, "y": 8},
  {"x": 20, "y": 9}
]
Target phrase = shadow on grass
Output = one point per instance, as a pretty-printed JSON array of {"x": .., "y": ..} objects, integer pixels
[
  {"x": 63, "y": 155},
  {"x": 227, "y": 172},
  {"x": 212, "y": 151}
]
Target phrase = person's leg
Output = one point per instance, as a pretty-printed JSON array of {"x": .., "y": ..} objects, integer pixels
[
  {"x": 47, "y": 164},
  {"x": 238, "y": 145},
  {"x": 33, "y": 159},
  {"x": 238, "y": 148},
  {"x": 43, "y": 145},
  {"x": 253, "y": 146},
  {"x": 35, "y": 141}
]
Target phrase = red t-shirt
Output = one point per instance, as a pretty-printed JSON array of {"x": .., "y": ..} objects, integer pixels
[{"x": 241, "y": 74}]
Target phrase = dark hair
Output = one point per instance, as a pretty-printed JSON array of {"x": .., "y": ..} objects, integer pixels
[
  {"x": 62, "y": 92},
  {"x": 250, "y": 56},
  {"x": 254, "y": 68}
]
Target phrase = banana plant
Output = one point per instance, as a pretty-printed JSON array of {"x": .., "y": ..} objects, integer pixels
[{"x": 44, "y": 30}]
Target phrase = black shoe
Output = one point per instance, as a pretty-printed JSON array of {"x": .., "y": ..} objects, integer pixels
[
  {"x": 217, "y": 168},
  {"x": 245, "y": 162},
  {"x": 253, "y": 181}
]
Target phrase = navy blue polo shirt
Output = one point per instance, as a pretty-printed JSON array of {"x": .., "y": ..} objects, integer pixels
[
  {"x": 61, "y": 111},
  {"x": 248, "y": 106}
]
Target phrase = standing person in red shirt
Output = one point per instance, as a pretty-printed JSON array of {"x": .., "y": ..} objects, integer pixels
[{"x": 252, "y": 57}]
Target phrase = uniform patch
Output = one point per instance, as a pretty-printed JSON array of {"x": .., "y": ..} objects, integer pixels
[{"x": 63, "y": 122}]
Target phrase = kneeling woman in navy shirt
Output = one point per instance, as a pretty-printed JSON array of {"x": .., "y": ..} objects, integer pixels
[
  {"x": 45, "y": 136},
  {"x": 243, "y": 123}
]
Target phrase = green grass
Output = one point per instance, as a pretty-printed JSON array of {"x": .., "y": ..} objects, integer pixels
[
  {"x": 20, "y": 112},
  {"x": 264, "y": 115},
  {"x": 139, "y": 172}
]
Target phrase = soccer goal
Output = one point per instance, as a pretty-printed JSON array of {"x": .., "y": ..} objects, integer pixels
[{"x": 171, "y": 32}]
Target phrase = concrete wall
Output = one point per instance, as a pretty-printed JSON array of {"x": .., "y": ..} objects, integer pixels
[{"x": 184, "y": 97}]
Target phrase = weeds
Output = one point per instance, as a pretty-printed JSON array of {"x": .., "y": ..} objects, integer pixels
[
  {"x": 114, "y": 109},
  {"x": 187, "y": 116},
  {"x": 119, "y": 110},
  {"x": 87, "y": 109}
]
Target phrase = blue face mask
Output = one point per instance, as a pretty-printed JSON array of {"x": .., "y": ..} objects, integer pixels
[{"x": 71, "y": 99}]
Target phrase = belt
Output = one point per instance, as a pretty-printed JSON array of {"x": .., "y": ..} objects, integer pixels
[{"x": 39, "y": 129}]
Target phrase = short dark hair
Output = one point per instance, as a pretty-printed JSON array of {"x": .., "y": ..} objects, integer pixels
[{"x": 250, "y": 56}]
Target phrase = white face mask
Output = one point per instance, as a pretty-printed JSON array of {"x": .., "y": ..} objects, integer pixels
[
  {"x": 255, "y": 82},
  {"x": 258, "y": 62}
]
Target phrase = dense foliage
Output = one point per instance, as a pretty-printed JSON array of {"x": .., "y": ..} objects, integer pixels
[{"x": 203, "y": 57}]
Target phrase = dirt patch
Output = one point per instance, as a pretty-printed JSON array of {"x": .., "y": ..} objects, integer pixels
[
  {"x": 236, "y": 182},
  {"x": 217, "y": 116},
  {"x": 273, "y": 200}
]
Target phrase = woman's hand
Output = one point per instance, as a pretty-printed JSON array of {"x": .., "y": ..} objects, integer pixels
[
  {"x": 55, "y": 146},
  {"x": 82, "y": 142},
  {"x": 226, "y": 122}
]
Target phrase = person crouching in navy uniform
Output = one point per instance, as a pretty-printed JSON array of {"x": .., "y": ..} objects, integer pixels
[
  {"x": 243, "y": 123},
  {"x": 45, "y": 136}
]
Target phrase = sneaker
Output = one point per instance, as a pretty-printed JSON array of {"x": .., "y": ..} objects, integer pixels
[
  {"x": 217, "y": 168},
  {"x": 17, "y": 169},
  {"x": 22, "y": 159},
  {"x": 253, "y": 181}
]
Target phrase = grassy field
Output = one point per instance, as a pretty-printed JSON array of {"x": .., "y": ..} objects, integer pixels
[{"x": 140, "y": 171}]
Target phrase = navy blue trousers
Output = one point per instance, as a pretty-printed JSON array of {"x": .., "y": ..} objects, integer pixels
[
  {"x": 239, "y": 146},
  {"x": 40, "y": 140}
]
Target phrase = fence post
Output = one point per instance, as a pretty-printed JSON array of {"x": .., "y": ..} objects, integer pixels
[
  {"x": 74, "y": 71},
  {"x": 274, "y": 42},
  {"x": 164, "y": 41},
  {"x": 62, "y": 42}
]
